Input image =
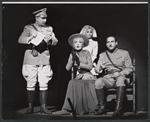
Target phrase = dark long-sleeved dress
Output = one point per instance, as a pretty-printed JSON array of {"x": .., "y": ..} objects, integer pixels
[{"x": 81, "y": 90}]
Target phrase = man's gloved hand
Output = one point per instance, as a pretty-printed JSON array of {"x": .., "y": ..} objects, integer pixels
[
  {"x": 34, "y": 52},
  {"x": 47, "y": 38},
  {"x": 53, "y": 40}
]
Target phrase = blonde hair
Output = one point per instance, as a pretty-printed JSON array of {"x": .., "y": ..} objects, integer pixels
[{"x": 84, "y": 29}]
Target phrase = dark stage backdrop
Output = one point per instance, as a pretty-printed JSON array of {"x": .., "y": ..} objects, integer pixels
[{"x": 128, "y": 22}]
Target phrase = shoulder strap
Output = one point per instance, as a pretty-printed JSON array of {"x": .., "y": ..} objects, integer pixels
[
  {"x": 34, "y": 27},
  {"x": 111, "y": 61}
]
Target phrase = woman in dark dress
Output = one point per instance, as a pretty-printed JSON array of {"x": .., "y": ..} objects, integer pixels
[{"x": 80, "y": 90}]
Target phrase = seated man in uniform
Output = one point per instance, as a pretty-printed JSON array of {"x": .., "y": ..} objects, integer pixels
[{"x": 117, "y": 64}]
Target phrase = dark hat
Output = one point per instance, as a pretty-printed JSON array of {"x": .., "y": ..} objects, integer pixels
[
  {"x": 40, "y": 12},
  {"x": 77, "y": 35}
]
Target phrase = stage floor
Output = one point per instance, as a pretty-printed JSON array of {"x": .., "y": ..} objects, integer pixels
[{"x": 19, "y": 115}]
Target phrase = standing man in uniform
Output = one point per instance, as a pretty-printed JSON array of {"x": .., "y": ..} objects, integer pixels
[
  {"x": 117, "y": 64},
  {"x": 36, "y": 64}
]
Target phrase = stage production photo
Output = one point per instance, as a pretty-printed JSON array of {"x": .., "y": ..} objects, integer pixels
[{"x": 74, "y": 61}]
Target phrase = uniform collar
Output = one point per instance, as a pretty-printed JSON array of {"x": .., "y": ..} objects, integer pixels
[
  {"x": 113, "y": 51},
  {"x": 39, "y": 26}
]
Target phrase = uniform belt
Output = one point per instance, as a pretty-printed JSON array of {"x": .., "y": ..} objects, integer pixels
[
  {"x": 83, "y": 71},
  {"x": 30, "y": 47},
  {"x": 111, "y": 71}
]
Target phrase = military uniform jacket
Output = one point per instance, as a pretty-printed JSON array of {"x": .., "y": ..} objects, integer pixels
[
  {"x": 42, "y": 58},
  {"x": 120, "y": 58}
]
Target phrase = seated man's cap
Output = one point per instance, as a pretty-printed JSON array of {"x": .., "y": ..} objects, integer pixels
[
  {"x": 40, "y": 12},
  {"x": 78, "y": 35}
]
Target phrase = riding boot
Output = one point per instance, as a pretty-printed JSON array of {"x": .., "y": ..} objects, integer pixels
[
  {"x": 43, "y": 98},
  {"x": 30, "y": 97},
  {"x": 119, "y": 101},
  {"x": 101, "y": 101}
]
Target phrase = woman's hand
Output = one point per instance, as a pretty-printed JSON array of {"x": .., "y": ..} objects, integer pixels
[
  {"x": 98, "y": 69},
  {"x": 116, "y": 74},
  {"x": 108, "y": 76}
]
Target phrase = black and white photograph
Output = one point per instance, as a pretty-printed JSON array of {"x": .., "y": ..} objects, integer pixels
[{"x": 74, "y": 61}]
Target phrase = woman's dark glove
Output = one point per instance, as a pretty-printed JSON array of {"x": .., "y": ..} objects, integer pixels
[{"x": 75, "y": 58}]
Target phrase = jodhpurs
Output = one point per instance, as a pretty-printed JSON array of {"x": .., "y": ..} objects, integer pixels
[{"x": 37, "y": 73}]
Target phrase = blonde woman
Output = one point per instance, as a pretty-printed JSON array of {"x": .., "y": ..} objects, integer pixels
[{"x": 92, "y": 47}]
